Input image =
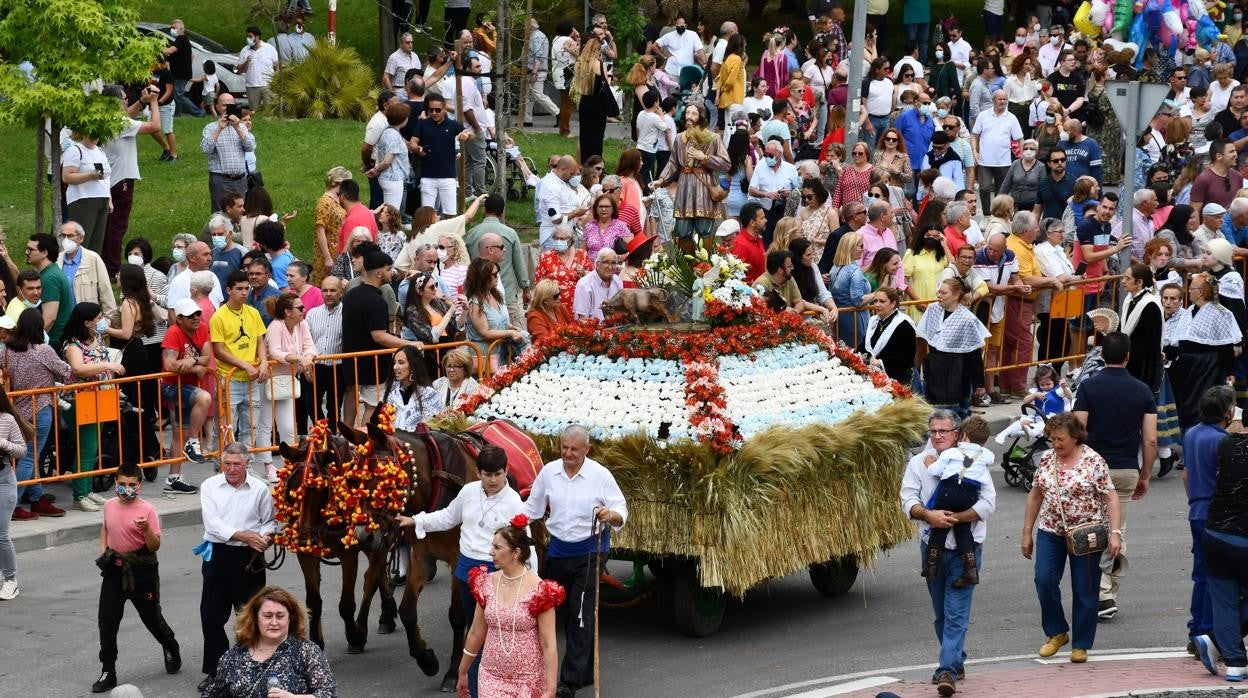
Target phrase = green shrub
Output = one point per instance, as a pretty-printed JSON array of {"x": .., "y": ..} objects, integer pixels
[{"x": 332, "y": 83}]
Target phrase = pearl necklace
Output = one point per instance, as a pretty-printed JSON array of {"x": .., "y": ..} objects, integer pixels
[{"x": 505, "y": 644}]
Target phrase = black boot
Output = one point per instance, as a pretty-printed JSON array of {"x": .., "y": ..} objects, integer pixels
[
  {"x": 970, "y": 572},
  {"x": 931, "y": 566},
  {"x": 106, "y": 682}
]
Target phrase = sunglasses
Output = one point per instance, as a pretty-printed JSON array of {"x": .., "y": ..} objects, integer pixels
[
  {"x": 808, "y": 197},
  {"x": 890, "y": 139},
  {"x": 1057, "y": 160},
  {"x": 950, "y": 127},
  {"x": 495, "y": 247},
  {"x": 434, "y": 110}
]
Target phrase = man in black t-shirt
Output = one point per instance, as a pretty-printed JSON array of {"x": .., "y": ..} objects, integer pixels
[
  {"x": 366, "y": 327},
  {"x": 162, "y": 78},
  {"x": 178, "y": 54}
]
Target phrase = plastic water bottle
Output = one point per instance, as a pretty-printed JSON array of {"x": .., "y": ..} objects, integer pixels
[{"x": 273, "y": 682}]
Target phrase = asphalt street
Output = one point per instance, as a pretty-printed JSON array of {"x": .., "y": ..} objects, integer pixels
[{"x": 783, "y": 632}]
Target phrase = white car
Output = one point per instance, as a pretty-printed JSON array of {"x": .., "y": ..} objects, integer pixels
[{"x": 205, "y": 49}]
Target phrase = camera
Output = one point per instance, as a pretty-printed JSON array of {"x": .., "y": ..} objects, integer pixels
[{"x": 234, "y": 110}]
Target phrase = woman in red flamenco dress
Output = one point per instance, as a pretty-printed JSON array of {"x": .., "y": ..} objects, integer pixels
[{"x": 516, "y": 610}]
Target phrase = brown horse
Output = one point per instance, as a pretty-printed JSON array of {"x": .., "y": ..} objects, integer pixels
[
  {"x": 442, "y": 546},
  {"x": 313, "y": 528}
]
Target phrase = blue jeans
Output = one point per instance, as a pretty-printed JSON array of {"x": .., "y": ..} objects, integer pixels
[
  {"x": 470, "y": 608},
  {"x": 26, "y": 466},
  {"x": 1085, "y": 584},
  {"x": 185, "y": 105},
  {"x": 1226, "y": 563},
  {"x": 919, "y": 33},
  {"x": 1201, "y": 621},
  {"x": 952, "y": 607},
  {"x": 881, "y": 125}
]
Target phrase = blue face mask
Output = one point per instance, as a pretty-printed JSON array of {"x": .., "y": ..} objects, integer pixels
[
  {"x": 575, "y": 181},
  {"x": 559, "y": 245},
  {"x": 127, "y": 492},
  {"x": 771, "y": 160},
  {"x": 942, "y": 113},
  {"x": 101, "y": 325},
  {"x": 218, "y": 242},
  {"x": 179, "y": 254},
  {"x": 32, "y": 304}
]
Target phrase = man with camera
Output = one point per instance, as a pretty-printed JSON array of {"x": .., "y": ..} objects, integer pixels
[{"x": 224, "y": 142}]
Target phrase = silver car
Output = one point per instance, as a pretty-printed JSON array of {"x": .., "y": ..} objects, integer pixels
[{"x": 205, "y": 49}]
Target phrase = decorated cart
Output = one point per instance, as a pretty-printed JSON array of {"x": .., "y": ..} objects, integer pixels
[{"x": 748, "y": 448}]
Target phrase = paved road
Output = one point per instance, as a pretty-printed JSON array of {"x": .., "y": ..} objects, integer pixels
[{"x": 781, "y": 633}]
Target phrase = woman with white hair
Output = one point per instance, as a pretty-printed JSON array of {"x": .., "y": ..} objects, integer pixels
[
  {"x": 453, "y": 259},
  {"x": 342, "y": 265},
  {"x": 180, "y": 242},
  {"x": 1022, "y": 180}
]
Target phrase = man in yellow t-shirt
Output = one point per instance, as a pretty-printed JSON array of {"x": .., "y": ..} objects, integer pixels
[{"x": 238, "y": 343}]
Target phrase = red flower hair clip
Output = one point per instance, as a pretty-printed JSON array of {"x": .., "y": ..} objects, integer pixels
[{"x": 519, "y": 521}]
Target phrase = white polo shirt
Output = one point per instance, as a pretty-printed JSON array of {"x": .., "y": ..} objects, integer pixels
[{"x": 996, "y": 131}]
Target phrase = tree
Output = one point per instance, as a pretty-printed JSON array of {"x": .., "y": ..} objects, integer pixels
[{"x": 53, "y": 52}]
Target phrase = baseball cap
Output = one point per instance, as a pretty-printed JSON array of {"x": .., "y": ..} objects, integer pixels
[
  {"x": 185, "y": 307},
  {"x": 1212, "y": 209}
]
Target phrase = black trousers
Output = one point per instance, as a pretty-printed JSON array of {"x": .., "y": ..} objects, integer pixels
[
  {"x": 327, "y": 396},
  {"x": 145, "y": 597},
  {"x": 227, "y": 586},
  {"x": 576, "y": 615},
  {"x": 456, "y": 19}
]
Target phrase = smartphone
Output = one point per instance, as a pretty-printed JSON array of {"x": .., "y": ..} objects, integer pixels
[
  {"x": 99, "y": 167},
  {"x": 1079, "y": 270}
]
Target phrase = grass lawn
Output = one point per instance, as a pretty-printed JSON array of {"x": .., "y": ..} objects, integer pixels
[{"x": 293, "y": 157}]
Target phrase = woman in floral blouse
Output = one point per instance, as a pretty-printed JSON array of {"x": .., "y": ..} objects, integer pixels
[
  {"x": 327, "y": 219},
  {"x": 606, "y": 226},
  {"x": 566, "y": 264},
  {"x": 273, "y": 647},
  {"x": 1072, "y": 488},
  {"x": 87, "y": 356}
]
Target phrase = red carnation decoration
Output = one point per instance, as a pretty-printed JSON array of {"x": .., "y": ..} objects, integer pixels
[{"x": 519, "y": 521}]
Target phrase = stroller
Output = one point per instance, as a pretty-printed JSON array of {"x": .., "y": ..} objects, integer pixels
[
  {"x": 1019, "y": 459},
  {"x": 51, "y": 461}
]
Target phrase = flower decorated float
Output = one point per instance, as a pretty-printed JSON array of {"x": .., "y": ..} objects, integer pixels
[{"x": 748, "y": 447}]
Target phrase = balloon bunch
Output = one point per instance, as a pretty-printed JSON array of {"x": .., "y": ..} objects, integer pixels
[{"x": 1164, "y": 24}]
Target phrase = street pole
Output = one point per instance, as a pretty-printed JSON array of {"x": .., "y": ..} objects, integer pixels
[
  {"x": 858, "y": 38},
  {"x": 502, "y": 83},
  {"x": 1126, "y": 195},
  {"x": 459, "y": 116}
]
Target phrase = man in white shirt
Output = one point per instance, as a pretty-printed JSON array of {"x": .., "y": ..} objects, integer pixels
[
  {"x": 773, "y": 179},
  {"x": 679, "y": 47},
  {"x": 238, "y": 523},
  {"x": 473, "y": 148},
  {"x": 402, "y": 60},
  {"x": 539, "y": 65},
  {"x": 293, "y": 43},
  {"x": 993, "y": 137},
  {"x": 558, "y": 202},
  {"x": 585, "y": 505},
  {"x": 911, "y": 59},
  {"x": 1048, "y": 53},
  {"x": 123, "y": 160},
  {"x": 198, "y": 258},
  {"x": 377, "y": 124},
  {"x": 597, "y": 287},
  {"x": 325, "y": 325},
  {"x": 959, "y": 53},
  {"x": 258, "y": 61}
]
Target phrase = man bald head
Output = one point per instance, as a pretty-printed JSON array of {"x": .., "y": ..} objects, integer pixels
[
  {"x": 567, "y": 167},
  {"x": 491, "y": 247},
  {"x": 198, "y": 256}
]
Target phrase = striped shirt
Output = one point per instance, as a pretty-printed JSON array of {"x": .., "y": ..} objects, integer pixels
[{"x": 326, "y": 327}]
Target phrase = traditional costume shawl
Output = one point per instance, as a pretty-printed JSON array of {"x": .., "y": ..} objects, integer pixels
[
  {"x": 959, "y": 333},
  {"x": 896, "y": 319},
  {"x": 1175, "y": 327},
  {"x": 1211, "y": 325},
  {"x": 1144, "y": 299}
]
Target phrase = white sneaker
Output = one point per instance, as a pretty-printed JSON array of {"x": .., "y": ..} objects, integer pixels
[
  {"x": 270, "y": 473},
  {"x": 96, "y": 497},
  {"x": 85, "y": 504},
  {"x": 9, "y": 590}
]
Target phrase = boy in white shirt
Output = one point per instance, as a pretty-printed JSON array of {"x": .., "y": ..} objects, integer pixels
[{"x": 651, "y": 129}]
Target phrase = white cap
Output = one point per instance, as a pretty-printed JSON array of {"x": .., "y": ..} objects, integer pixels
[
  {"x": 1212, "y": 209},
  {"x": 729, "y": 227},
  {"x": 7, "y": 323},
  {"x": 185, "y": 307}
]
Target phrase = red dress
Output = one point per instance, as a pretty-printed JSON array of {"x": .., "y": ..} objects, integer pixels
[
  {"x": 549, "y": 266},
  {"x": 511, "y": 661}
]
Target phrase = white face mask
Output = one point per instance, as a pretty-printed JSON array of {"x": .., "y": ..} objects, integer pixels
[
  {"x": 441, "y": 255},
  {"x": 135, "y": 259},
  {"x": 1029, "y": 153},
  {"x": 940, "y": 55},
  {"x": 179, "y": 254},
  {"x": 1020, "y": 40},
  {"x": 68, "y": 246},
  {"x": 1055, "y": 40}
]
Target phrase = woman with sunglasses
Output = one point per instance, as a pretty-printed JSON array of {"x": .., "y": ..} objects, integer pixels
[
  {"x": 855, "y": 179},
  {"x": 453, "y": 259},
  {"x": 428, "y": 317},
  {"x": 546, "y": 309},
  {"x": 291, "y": 347},
  {"x": 891, "y": 157},
  {"x": 905, "y": 83}
]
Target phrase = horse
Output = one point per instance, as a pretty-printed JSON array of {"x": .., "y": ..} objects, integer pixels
[
  {"x": 306, "y": 462},
  {"x": 427, "y": 481}
]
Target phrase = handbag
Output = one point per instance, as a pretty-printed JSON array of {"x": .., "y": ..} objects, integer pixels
[
  {"x": 1085, "y": 539},
  {"x": 606, "y": 97},
  {"x": 713, "y": 187},
  {"x": 283, "y": 387}
]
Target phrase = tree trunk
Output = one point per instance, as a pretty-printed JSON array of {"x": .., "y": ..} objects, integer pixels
[
  {"x": 502, "y": 93},
  {"x": 54, "y": 137},
  {"x": 41, "y": 160},
  {"x": 386, "y": 25}
]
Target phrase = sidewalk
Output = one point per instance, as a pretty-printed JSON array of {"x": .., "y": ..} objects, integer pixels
[
  {"x": 1136, "y": 674},
  {"x": 183, "y": 510}
]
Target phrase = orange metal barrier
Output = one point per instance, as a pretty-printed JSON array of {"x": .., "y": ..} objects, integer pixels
[{"x": 141, "y": 441}]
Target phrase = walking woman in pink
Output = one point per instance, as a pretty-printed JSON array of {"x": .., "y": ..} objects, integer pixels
[{"x": 516, "y": 610}]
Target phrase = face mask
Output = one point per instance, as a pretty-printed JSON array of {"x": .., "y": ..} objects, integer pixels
[
  {"x": 870, "y": 199},
  {"x": 1029, "y": 154},
  {"x": 1036, "y": 29},
  {"x": 680, "y": 30},
  {"x": 1020, "y": 40},
  {"x": 135, "y": 259},
  {"x": 68, "y": 246},
  {"x": 926, "y": 109},
  {"x": 1237, "y": 16},
  {"x": 1050, "y": 119},
  {"x": 575, "y": 181},
  {"x": 771, "y": 160},
  {"x": 942, "y": 113},
  {"x": 127, "y": 492},
  {"x": 940, "y": 55},
  {"x": 441, "y": 255},
  {"x": 179, "y": 254},
  {"x": 1055, "y": 40},
  {"x": 906, "y": 108},
  {"x": 560, "y": 245},
  {"x": 218, "y": 242},
  {"x": 32, "y": 304},
  {"x": 101, "y": 326},
  {"x": 252, "y": 42}
]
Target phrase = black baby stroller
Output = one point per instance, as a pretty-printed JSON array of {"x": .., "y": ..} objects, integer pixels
[
  {"x": 1021, "y": 457},
  {"x": 112, "y": 443}
]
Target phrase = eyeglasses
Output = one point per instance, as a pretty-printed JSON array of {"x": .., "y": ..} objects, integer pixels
[
  {"x": 495, "y": 247},
  {"x": 610, "y": 191},
  {"x": 443, "y": 247},
  {"x": 1057, "y": 160},
  {"x": 941, "y": 432},
  {"x": 808, "y": 197},
  {"x": 297, "y": 307},
  {"x": 434, "y": 110}
]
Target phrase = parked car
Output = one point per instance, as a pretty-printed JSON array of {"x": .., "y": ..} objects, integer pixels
[{"x": 205, "y": 49}]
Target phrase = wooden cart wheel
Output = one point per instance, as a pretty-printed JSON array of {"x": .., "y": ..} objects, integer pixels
[
  {"x": 834, "y": 577},
  {"x": 699, "y": 610}
]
